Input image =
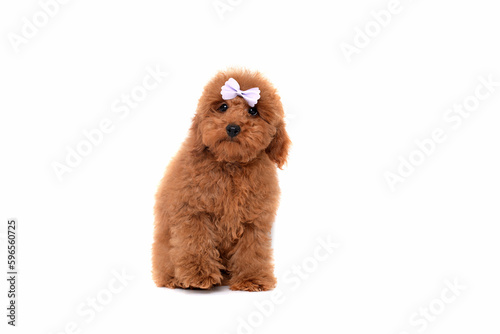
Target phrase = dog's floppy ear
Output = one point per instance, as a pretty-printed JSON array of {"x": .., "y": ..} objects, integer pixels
[
  {"x": 278, "y": 148},
  {"x": 196, "y": 141}
]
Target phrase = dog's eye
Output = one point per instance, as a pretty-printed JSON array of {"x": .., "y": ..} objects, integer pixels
[
  {"x": 253, "y": 111},
  {"x": 223, "y": 107}
]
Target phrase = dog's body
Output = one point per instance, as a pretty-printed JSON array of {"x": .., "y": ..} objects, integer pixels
[{"x": 217, "y": 201}]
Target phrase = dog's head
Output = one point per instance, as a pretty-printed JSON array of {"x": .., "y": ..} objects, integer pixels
[{"x": 235, "y": 132}]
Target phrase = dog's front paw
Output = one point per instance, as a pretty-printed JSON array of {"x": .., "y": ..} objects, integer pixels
[
  {"x": 199, "y": 276},
  {"x": 168, "y": 282},
  {"x": 254, "y": 285},
  {"x": 201, "y": 281}
]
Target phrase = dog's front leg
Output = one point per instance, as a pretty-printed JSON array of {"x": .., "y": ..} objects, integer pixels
[
  {"x": 251, "y": 262},
  {"x": 194, "y": 253}
]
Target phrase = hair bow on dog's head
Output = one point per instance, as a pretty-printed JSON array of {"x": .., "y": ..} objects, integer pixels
[{"x": 231, "y": 89}]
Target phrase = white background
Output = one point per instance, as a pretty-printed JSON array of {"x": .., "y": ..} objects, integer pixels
[{"x": 349, "y": 123}]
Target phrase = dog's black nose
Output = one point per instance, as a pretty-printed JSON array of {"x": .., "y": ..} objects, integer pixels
[{"x": 233, "y": 130}]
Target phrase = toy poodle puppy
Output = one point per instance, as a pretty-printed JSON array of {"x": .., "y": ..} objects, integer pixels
[{"x": 216, "y": 203}]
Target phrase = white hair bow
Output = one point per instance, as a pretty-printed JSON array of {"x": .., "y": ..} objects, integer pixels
[{"x": 231, "y": 89}]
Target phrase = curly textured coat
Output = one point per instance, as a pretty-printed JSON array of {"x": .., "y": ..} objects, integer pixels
[{"x": 217, "y": 201}]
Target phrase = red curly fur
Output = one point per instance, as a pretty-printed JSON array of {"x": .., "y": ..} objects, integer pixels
[{"x": 216, "y": 204}]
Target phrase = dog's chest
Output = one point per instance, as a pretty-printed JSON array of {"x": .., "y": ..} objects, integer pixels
[{"x": 232, "y": 195}]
